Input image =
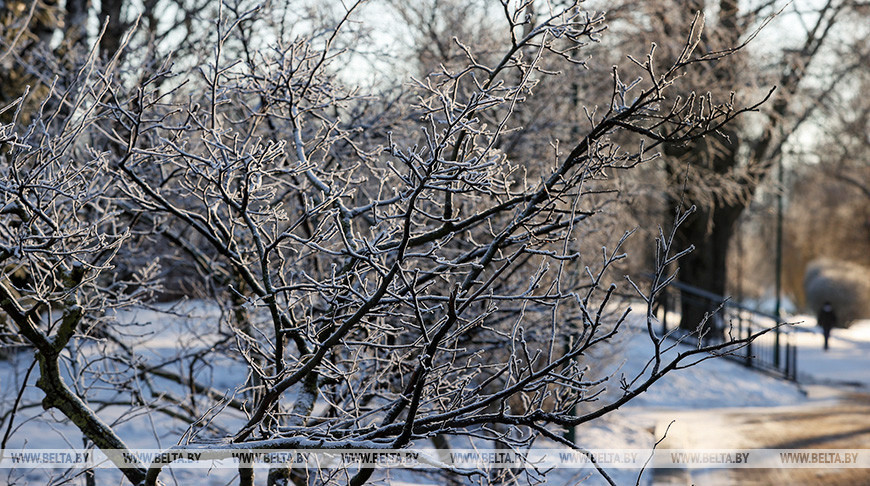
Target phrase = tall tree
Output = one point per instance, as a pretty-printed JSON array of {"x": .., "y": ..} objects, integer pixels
[{"x": 719, "y": 174}]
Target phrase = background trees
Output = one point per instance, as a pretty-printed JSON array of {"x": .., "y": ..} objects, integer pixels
[
  {"x": 809, "y": 53},
  {"x": 378, "y": 269}
]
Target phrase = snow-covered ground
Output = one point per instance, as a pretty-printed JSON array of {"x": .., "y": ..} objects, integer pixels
[
  {"x": 846, "y": 362},
  {"x": 701, "y": 392},
  {"x": 704, "y": 393}
]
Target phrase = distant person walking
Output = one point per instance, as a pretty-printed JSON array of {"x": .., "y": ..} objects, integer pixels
[{"x": 827, "y": 319}]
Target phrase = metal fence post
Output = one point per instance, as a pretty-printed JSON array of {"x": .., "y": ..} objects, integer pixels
[{"x": 749, "y": 344}]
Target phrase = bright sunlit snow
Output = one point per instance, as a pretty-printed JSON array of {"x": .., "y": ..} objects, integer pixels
[{"x": 699, "y": 393}]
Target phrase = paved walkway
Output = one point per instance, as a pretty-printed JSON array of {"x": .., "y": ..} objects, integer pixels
[{"x": 842, "y": 423}]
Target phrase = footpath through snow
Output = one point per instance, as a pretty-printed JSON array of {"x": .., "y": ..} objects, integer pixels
[{"x": 721, "y": 404}]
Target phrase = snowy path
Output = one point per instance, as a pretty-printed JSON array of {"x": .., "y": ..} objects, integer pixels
[
  {"x": 722, "y": 405},
  {"x": 820, "y": 424},
  {"x": 846, "y": 362}
]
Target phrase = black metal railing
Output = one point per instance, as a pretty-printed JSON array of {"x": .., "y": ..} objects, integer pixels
[{"x": 773, "y": 352}]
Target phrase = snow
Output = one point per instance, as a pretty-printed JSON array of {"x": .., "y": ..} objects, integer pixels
[
  {"x": 155, "y": 333},
  {"x": 693, "y": 401},
  {"x": 847, "y": 361},
  {"x": 713, "y": 383},
  {"x": 701, "y": 394}
]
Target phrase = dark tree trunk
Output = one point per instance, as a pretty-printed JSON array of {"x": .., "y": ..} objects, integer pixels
[
  {"x": 716, "y": 185},
  {"x": 706, "y": 267},
  {"x": 713, "y": 224},
  {"x": 111, "y": 41}
]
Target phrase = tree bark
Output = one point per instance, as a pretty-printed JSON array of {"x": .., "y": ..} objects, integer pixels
[
  {"x": 710, "y": 229},
  {"x": 706, "y": 267}
]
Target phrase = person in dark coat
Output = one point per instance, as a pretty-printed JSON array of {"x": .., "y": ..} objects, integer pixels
[{"x": 827, "y": 319}]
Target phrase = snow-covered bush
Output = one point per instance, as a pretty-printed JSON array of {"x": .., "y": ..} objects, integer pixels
[{"x": 845, "y": 285}]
